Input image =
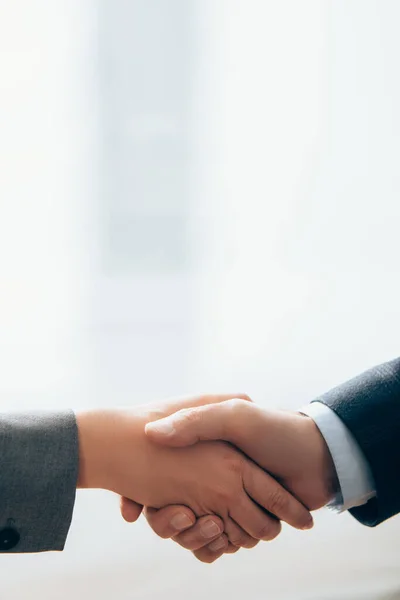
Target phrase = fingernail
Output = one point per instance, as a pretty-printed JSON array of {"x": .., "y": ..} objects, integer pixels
[
  {"x": 181, "y": 521},
  {"x": 165, "y": 427},
  {"x": 217, "y": 545},
  {"x": 210, "y": 529}
]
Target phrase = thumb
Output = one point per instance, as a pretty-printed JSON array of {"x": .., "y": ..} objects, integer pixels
[{"x": 191, "y": 425}]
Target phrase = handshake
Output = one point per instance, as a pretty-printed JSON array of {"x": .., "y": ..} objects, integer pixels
[{"x": 214, "y": 473}]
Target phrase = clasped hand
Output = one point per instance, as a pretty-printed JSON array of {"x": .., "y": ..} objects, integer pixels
[{"x": 209, "y": 496}]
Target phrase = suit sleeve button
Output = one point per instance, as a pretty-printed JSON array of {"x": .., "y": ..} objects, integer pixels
[{"x": 9, "y": 538}]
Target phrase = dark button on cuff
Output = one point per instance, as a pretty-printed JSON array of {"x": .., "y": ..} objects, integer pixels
[{"x": 9, "y": 538}]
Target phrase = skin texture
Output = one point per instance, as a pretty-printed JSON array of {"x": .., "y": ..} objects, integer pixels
[
  {"x": 209, "y": 478},
  {"x": 286, "y": 444}
]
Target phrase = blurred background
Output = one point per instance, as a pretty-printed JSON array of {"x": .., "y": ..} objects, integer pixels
[{"x": 198, "y": 195}]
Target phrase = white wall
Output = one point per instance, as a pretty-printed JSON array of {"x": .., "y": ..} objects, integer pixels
[
  {"x": 45, "y": 175},
  {"x": 301, "y": 194}
]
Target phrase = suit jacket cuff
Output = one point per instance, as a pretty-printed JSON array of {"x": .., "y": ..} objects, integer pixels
[
  {"x": 39, "y": 471},
  {"x": 369, "y": 406},
  {"x": 352, "y": 469}
]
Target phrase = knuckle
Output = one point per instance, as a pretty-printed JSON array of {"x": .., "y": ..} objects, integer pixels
[
  {"x": 238, "y": 410},
  {"x": 190, "y": 416},
  {"x": 185, "y": 543},
  {"x": 237, "y": 405},
  {"x": 238, "y": 540},
  {"x": 270, "y": 530},
  {"x": 278, "y": 502},
  {"x": 244, "y": 541}
]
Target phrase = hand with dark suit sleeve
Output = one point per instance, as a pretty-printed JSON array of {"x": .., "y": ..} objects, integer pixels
[
  {"x": 346, "y": 455},
  {"x": 369, "y": 406}
]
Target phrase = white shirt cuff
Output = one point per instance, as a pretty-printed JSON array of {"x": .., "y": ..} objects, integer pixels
[{"x": 352, "y": 469}]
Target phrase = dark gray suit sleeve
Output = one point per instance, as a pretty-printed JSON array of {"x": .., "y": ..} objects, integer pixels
[
  {"x": 38, "y": 476},
  {"x": 369, "y": 405}
]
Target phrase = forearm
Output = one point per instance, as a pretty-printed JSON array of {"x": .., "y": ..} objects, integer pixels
[
  {"x": 113, "y": 451},
  {"x": 95, "y": 448}
]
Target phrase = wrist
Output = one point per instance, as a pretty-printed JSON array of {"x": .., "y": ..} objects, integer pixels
[
  {"x": 324, "y": 484},
  {"x": 113, "y": 451},
  {"x": 93, "y": 439}
]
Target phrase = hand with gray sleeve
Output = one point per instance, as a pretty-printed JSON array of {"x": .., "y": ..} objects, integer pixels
[{"x": 45, "y": 457}]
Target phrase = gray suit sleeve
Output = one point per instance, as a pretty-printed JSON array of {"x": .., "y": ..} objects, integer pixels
[{"x": 38, "y": 476}]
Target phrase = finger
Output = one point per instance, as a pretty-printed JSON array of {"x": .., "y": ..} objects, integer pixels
[
  {"x": 251, "y": 543},
  {"x": 191, "y": 425},
  {"x": 237, "y": 536},
  {"x": 204, "y": 531},
  {"x": 130, "y": 510},
  {"x": 255, "y": 521},
  {"x": 269, "y": 494},
  {"x": 215, "y": 550},
  {"x": 169, "y": 407},
  {"x": 231, "y": 549},
  {"x": 169, "y": 521}
]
